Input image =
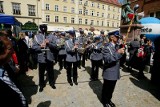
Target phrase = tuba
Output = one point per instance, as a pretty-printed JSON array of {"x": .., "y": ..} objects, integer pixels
[{"x": 82, "y": 49}]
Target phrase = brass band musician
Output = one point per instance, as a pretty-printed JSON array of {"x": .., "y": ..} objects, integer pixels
[
  {"x": 61, "y": 50},
  {"x": 96, "y": 58},
  {"x": 72, "y": 58}
]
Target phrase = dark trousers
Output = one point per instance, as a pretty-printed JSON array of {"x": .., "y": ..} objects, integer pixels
[
  {"x": 69, "y": 71},
  {"x": 82, "y": 59},
  {"x": 95, "y": 68},
  {"x": 107, "y": 90},
  {"x": 62, "y": 58},
  {"x": 49, "y": 68}
]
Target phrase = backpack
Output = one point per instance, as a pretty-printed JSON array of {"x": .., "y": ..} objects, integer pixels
[{"x": 140, "y": 52}]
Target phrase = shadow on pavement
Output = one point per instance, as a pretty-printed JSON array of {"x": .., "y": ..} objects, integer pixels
[
  {"x": 145, "y": 84},
  {"x": 28, "y": 86},
  {"x": 44, "y": 104},
  {"x": 96, "y": 86},
  {"x": 88, "y": 69},
  {"x": 56, "y": 73}
]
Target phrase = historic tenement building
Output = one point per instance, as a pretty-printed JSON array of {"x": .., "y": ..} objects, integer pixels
[
  {"x": 23, "y": 10},
  {"x": 101, "y": 14}
]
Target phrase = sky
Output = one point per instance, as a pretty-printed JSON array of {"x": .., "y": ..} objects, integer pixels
[{"x": 122, "y": 1}]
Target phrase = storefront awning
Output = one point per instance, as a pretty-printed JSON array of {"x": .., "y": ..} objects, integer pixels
[{"x": 59, "y": 28}]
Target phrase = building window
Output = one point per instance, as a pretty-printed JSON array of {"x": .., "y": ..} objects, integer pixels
[
  {"x": 64, "y": 0},
  {"x": 102, "y": 14},
  {"x": 158, "y": 14},
  {"x": 97, "y": 23},
  {"x": 151, "y": 14},
  {"x": 108, "y": 7},
  {"x": 98, "y": 6},
  {"x": 56, "y": 8},
  {"x": 102, "y": 23},
  {"x": 16, "y": 8},
  {"x": 1, "y": 7},
  {"x": 65, "y": 19},
  {"x": 31, "y": 10},
  {"x": 103, "y": 7},
  {"x": 147, "y": 0},
  {"x": 72, "y": 10},
  {"x": 86, "y": 12},
  {"x": 64, "y": 8},
  {"x": 47, "y": 18},
  {"x": 47, "y": 6},
  {"x": 80, "y": 11},
  {"x": 92, "y": 13},
  {"x": 114, "y": 9},
  {"x": 92, "y": 22},
  {"x": 92, "y": 4},
  {"x": 108, "y": 16},
  {"x": 56, "y": 19},
  {"x": 86, "y": 21},
  {"x": 108, "y": 24},
  {"x": 72, "y": 1},
  {"x": 80, "y": 2},
  {"x": 118, "y": 17},
  {"x": 119, "y": 10},
  {"x": 72, "y": 20},
  {"x": 113, "y": 16},
  {"x": 80, "y": 21},
  {"x": 112, "y": 24},
  {"x": 97, "y": 13},
  {"x": 117, "y": 24}
]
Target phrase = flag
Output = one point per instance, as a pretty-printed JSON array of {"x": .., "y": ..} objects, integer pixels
[{"x": 130, "y": 16}]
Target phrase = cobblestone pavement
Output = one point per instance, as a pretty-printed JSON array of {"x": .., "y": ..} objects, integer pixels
[{"x": 129, "y": 91}]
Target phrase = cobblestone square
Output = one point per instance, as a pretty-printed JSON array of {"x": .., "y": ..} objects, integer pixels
[{"x": 129, "y": 91}]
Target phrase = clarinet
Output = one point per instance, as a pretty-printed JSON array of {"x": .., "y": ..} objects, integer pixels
[{"x": 75, "y": 48}]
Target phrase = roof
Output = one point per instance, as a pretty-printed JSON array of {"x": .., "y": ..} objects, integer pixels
[{"x": 115, "y": 2}]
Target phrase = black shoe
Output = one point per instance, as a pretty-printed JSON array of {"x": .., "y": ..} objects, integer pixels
[
  {"x": 111, "y": 104},
  {"x": 40, "y": 89},
  {"x": 75, "y": 82},
  {"x": 53, "y": 86},
  {"x": 106, "y": 105},
  {"x": 83, "y": 66},
  {"x": 60, "y": 68},
  {"x": 71, "y": 84},
  {"x": 141, "y": 76},
  {"x": 94, "y": 79}
]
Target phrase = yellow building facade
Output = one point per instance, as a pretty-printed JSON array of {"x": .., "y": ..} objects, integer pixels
[
  {"x": 23, "y": 10},
  {"x": 84, "y": 14},
  {"x": 81, "y": 14}
]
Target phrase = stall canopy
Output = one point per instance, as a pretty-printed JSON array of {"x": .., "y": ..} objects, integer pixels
[
  {"x": 7, "y": 19},
  {"x": 30, "y": 26}
]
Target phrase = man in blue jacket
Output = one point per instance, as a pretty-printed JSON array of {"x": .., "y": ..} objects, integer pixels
[
  {"x": 111, "y": 70},
  {"x": 72, "y": 58}
]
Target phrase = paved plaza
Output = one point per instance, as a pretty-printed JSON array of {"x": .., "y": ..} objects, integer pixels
[{"x": 129, "y": 91}]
